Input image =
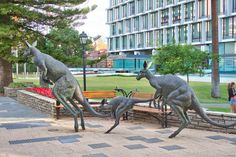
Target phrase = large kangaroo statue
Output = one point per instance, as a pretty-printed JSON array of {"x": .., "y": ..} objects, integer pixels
[
  {"x": 178, "y": 95},
  {"x": 66, "y": 87},
  {"x": 120, "y": 105}
]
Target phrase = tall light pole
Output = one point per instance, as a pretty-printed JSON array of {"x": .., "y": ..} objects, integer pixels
[{"x": 83, "y": 40}]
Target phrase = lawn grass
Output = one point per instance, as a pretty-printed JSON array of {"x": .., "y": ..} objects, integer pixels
[
  {"x": 219, "y": 109},
  {"x": 202, "y": 89}
]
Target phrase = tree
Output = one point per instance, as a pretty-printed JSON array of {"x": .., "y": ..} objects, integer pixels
[
  {"x": 215, "y": 78},
  {"x": 182, "y": 59},
  {"x": 27, "y": 20},
  {"x": 64, "y": 45}
]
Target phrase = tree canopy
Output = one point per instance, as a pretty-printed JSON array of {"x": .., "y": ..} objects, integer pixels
[
  {"x": 182, "y": 59},
  {"x": 29, "y": 19}
]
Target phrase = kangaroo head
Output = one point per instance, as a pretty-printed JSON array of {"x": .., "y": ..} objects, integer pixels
[
  {"x": 28, "y": 50},
  {"x": 143, "y": 73}
]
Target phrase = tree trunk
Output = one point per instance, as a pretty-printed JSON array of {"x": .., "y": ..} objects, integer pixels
[
  {"x": 215, "y": 79},
  {"x": 5, "y": 73}
]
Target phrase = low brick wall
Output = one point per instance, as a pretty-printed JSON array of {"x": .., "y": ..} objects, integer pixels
[
  {"x": 42, "y": 103},
  {"x": 196, "y": 121},
  {"x": 11, "y": 92},
  {"x": 36, "y": 101}
]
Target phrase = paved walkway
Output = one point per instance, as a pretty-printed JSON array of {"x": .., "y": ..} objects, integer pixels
[{"x": 26, "y": 133}]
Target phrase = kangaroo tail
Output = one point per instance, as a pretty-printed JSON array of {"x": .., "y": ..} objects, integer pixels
[
  {"x": 83, "y": 101},
  {"x": 200, "y": 111}
]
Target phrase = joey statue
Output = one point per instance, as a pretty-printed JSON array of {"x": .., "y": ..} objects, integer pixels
[
  {"x": 120, "y": 105},
  {"x": 66, "y": 88},
  {"x": 178, "y": 95}
]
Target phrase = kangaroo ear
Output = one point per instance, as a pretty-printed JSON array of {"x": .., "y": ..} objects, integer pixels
[
  {"x": 28, "y": 44},
  {"x": 149, "y": 65},
  {"x": 145, "y": 65},
  {"x": 34, "y": 44}
]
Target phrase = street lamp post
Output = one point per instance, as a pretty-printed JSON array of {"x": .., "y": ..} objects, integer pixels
[{"x": 83, "y": 40}]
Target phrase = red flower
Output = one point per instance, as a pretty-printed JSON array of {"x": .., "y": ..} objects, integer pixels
[{"x": 42, "y": 91}]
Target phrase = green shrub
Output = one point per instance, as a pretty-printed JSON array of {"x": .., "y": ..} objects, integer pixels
[{"x": 21, "y": 84}]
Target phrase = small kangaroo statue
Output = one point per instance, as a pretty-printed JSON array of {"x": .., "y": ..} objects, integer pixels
[
  {"x": 66, "y": 88},
  {"x": 119, "y": 105},
  {"x": 178, "y": 95}
]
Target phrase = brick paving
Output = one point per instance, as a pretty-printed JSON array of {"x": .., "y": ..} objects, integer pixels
[{"x": 25, "y": 132}]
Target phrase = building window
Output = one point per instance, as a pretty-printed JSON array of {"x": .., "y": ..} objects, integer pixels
[
  {"x": 132, "y": 8},
  {"x": 164, "y": 17},
  {"x": 209, "y": 30},
  {"x": 140, "y": 40},
  {"x": 150, "y": 5},
  {"x": 183, "y": 33},
  {"x": 128, "y": 25},
  {"x": 113, "y": 29},
  {"x": 159, "y": 3},
  {"x": 111, "y": 43},
  {"x": 221, "y": 7},
  {"x": 120, "y": 27},
  {"x": 170, "y": 35},
  {"x": 153, "y": 20},
  {"x": 160, "y": 37},
  {"x": 189, "y": 11},
  {"x": 176, "y": 14},
  {"x": 204, "y": 8},
  {"x": 150, "y": 39},
  {"x": 124, "y": 11},
  {"x": 169, "y": 2},
  {"x": 140, "y": 6},
  {"x": 144, "y": 22},
  {"x": 132, "y": 41},
  {"x": 136, "y": 23},
  {"x": 234, "y": 6},
  {"x": 124, "y": 42},
  {"x": 116, "y": 13},
  {"x": 117, "y": 43},
  {"x": 229, "y": 27},
  {"x": 196, "y": 32}
]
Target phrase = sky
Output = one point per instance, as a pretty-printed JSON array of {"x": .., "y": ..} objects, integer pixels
[{"x": 95, "y": 24}]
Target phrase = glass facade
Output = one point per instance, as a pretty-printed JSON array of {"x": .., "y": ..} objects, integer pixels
[
  {"x": 189, "y": 11},
  {"x": 144, "y": 25}
]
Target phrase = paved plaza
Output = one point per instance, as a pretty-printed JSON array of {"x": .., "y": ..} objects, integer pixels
[{"x": 28, "y": 133}]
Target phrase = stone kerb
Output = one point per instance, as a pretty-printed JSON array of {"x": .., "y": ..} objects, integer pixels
[
  {"x": 36, "y": 101},
  {"x": 11, "y": 92},
  {"x": 196, "y": 121}
]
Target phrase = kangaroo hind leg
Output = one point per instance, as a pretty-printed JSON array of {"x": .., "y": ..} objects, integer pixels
[
  {"x": 183, "y": 118},
  {"x": 80, "y": 112},
  {"x": 118, "y": 113},
  {"x": 63, "y": 101}
]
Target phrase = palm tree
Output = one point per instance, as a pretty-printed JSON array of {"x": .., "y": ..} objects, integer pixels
[{"x": 215, "y": 79}]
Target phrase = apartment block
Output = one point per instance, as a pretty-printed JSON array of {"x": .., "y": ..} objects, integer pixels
[{"x": 140, "y": 26}]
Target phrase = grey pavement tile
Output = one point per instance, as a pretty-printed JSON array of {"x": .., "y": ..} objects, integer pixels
[
  {"x": 25, "y": 125},
  {"x": 136, "y": 128},
  {"x": 217, "y": 137},
  {"x": 135, "y": 146},
  {"x": 152, "y": 140},
  {"x": 95, "y": 155},
  {"x": 134, "y": 138},
  {"x": 99, "y": 145},
  {"x": 166, "y": 131},
  {"x": 172, "y": 147},
  {"x": 93, "y": 125},
  {"x": 62, "y": 139}
]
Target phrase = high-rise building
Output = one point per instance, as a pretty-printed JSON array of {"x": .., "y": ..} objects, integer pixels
[{"x": 141, "y": 26}]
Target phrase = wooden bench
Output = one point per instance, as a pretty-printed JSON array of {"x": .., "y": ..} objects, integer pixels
[
  {"x": 94, "y": 95},
  {"x": 157, "y": 110}
]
